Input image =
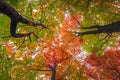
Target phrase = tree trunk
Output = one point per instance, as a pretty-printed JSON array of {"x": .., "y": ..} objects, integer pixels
[{"x": 53, "y": 73}]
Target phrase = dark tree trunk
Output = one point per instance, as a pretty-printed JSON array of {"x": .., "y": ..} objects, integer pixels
[
  {"x": 15, "y": 17},
  {"x": 53, "y": 73},
  {"x": 109, "y": 29}
]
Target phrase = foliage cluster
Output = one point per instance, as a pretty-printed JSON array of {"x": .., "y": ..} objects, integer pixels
[{"x": 59, "y": 54}]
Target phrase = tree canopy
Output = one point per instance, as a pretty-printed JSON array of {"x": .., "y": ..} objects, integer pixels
[{"x": 81, "y": 41}]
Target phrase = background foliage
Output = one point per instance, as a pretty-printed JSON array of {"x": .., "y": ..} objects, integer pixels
[{"x": 59, "y": 54}]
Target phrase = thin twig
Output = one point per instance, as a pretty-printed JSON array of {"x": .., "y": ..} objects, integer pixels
[
  {"x": 21, "y": 43},
  {"x": 39, "y": 70},
  {"x": 77, "y": 22}
]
